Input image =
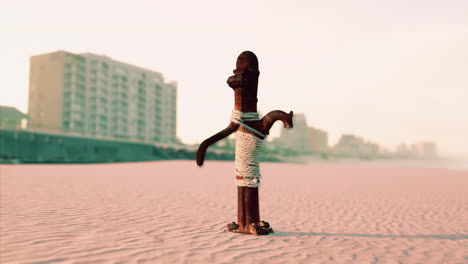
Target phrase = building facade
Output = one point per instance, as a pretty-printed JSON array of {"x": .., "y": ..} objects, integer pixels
[
  {"x": 353, "y": 146},
  {"x": 95, "y": 95},
  {"x": 302, "y": 139},
  {"x": 297, "y": 139},
  {"x": 425, "y": 149},
  {"x": 318, "y": 140}
]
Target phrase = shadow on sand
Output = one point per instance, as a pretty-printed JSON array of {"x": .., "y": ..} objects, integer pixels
[{"x": 311, "y": 234}]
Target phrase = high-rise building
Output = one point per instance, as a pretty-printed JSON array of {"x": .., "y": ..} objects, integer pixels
[
  {"x": 318, "y": 140},
  {"x": 302, "y": 138},
  {"x": 297, "y": 139},
  {"x": 95, "y": 95}
]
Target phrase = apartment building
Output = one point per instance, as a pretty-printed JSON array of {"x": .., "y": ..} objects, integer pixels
[
  {"x": 425, "y": 149},
  {"x": 95, "y": 95},
  {"x": 298, "y": 138},
  {"x": 354, "y": 146},
  {"x": 318, "y": 140},
  {"x": 303, "y": 138}
]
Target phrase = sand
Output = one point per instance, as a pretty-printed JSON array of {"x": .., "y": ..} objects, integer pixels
[{"x": 174, "y": 212}]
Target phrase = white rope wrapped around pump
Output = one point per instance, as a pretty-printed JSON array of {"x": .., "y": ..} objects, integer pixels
[{"x": 247, "y": 149}]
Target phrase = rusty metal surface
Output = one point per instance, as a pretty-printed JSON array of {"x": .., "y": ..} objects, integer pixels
[{"x": 244, "y": 82}]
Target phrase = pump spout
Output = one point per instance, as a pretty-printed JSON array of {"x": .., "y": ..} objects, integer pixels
[{"x": 273, "y": 116}]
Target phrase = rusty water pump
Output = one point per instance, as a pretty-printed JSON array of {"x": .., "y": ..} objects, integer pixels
[{"x": 250, "y": 130}]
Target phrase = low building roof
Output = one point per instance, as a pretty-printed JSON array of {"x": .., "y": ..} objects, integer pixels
[{"x": 11, "y": 111}]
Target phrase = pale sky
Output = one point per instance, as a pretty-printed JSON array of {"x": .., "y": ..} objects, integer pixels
[{"x": 390, "y": 71}]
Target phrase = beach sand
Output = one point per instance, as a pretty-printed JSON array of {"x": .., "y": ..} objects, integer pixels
[{"x": 175, "y": 212}]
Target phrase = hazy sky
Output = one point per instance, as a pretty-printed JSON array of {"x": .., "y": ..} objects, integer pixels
[{"x": 389, "y": 71}]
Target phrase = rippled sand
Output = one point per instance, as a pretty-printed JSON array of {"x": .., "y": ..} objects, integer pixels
[{"x": 174, "y": 212}]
